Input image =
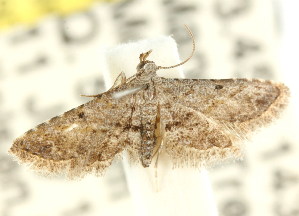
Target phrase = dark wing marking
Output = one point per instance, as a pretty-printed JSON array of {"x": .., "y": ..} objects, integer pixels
[
  {"x": 204, "y": 120},
  {"x": 244, "y": 103},
  {"x": 84, "y": 139}
]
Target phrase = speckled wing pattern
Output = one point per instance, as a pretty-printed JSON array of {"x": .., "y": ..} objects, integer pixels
[
  {"x": 195, "y": 122},
  {"x": 83, "y": 140},
  {"x": 205, "y": 120}
]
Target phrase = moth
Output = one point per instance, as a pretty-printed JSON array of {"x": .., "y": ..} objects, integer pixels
[{"x": 193, "y": 121}]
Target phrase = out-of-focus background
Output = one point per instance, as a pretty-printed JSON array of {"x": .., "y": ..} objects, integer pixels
[{"x": 51, "y": 52}]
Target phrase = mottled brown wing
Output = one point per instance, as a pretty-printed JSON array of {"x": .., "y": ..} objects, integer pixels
[
  {"x": 205, "y": 120},
  {"x": 82, "y": 140}
]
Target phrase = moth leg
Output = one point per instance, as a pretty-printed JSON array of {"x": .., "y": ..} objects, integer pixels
[
  {"x": 160, "y": 129},
  {"x": 160, "y": 143},
  {"x": 156, "y": 171},
  {"x": 157, "y": 152},
  {"x": 121, "y": 79}
]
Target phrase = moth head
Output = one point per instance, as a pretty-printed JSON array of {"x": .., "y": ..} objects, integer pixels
[
  {"x": 149, "y": 68},
  {"x": 145, "y": 67}
]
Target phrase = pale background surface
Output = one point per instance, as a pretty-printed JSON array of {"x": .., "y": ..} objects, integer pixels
[{"x": 44, "y": 68}]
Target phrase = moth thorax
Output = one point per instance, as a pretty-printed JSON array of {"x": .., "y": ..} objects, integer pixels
[{"x": 146, "y": 70}]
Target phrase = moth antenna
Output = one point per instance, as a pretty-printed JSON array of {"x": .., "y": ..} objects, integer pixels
[{"x": 192, "y": 53}]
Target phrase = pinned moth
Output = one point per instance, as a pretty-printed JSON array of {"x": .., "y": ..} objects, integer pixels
[{"x": 193, "y": 121}]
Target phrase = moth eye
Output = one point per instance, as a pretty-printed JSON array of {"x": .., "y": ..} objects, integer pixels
[{"x": 218, "y": 87}]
